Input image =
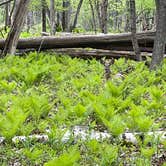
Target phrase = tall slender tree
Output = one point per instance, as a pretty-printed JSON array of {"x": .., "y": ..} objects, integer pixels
[
  {"x": 134, "y": 30},
  {"x": 159, "y": 44},
  {"x": 65, "y": 15},
  {"x": 76, "y": 15},
  {"x": 52, "y": 17},
  {"x": 44, "y": 10}
]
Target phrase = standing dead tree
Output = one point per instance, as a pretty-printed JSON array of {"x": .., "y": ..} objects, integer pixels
[{"x": 13, "y": 35}]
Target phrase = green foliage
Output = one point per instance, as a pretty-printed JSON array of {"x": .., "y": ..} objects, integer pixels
[
  {"x": 41, "y": 93},
  {"x": 11, "y": 122},
  {"x": 66, "y": 159}
]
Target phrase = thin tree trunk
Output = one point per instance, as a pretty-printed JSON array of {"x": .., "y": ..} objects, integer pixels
[
  {"x": 15, "y": 7},
  {"x": 52, "y": 17},
  {"x": 76, "y": 15},
  {"x": 102, "y": 8},
  {"x": 44, "y": 25},
  {"x": 133, "y": 30},
  {"x": 30, "y": 21},
  {"x": 65, "y": 15},
  {"x": 159, "y": 43},
  {"x": 7, "y": 23},
  {"x": 11, "y": 12},
  {"x": 13, "y": 35},
  {"x": 93, "y": 16}
]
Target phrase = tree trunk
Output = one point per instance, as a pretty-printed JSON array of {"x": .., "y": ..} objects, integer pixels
[
  {"x": 12, "y": 13},
  {"x": 159, "y": 44},
  {"x": 44, "y": 23},
  {"x": 133, "y": 30},
  {"x": 102, "y": 8},
  {"x": 93, "y": 16},
  {"x": 76, "y": 15},
  {"x": 13, "y": 35},
  {"x": 15, "y": 7},
  {"x": 65, "y": 15},
  {"x": 52, "y": 17},
  {"x": 7, "y": 19},
  {"x": 127, "y": 19},
  {"x": 30, "y": 21}
]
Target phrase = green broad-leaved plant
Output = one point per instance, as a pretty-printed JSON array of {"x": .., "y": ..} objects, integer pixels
[{"x": 69, "y": 158}]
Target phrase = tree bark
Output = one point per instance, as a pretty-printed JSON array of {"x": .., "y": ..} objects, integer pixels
[
  {"x": 159, "y": 44},
  {"x": 104, "y": 16},
  {"x": 7, "y": 19},
  {"x": 93, "y": 16},
  {"x": 65, "y": 15},
  {"x": 29, "y": 21},
  {"x": 52, "y": 17},
  {"x": 13, "y": 36},
  {"x": 44, "y": 24},
  {"x": 109, "y": 42},
  {"x": 15, "y": 7},
  {"x": 133, "y": 30}
]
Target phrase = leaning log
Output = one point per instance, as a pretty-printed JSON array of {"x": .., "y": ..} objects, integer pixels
[{"x": 119, "y": 42}]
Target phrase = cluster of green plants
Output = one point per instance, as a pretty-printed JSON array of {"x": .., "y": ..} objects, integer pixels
[{"x": 41, "y": 92}]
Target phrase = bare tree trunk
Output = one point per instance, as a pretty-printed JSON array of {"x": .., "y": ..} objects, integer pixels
[
  {"x": 13, "y": 36},
  {"x": 159, "y": 43},
  {"x": 76, "y": 15},
  {"x": 30, "y": 20},
  {"x": 133, "y": 30},
  {"x": 15, "y": 7},
  {"x": 11, "y": 12},
  {"x": 127, "y": 20},
  {"x": 65, "y": 15},
  {"x": 52, "y": 17},
  {"x": 102, "y": 8},
  {"x": 7, "y": 19},
  {"x": 93, "y": 16},
  {"x": 44, "y": 25}
]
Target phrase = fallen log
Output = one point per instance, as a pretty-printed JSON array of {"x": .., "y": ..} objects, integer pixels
[
  {"x": 99, "y": 53},
  {"x": 109, "y": 42}
]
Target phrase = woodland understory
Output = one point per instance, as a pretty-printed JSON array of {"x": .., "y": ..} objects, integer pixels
[{"x": 82, "y": 82}]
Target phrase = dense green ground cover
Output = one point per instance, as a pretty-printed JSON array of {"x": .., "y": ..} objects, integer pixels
[{"x": 48, "y": 92}]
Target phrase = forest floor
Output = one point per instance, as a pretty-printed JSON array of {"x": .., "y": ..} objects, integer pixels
[{"x": 50, "y": 95}]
